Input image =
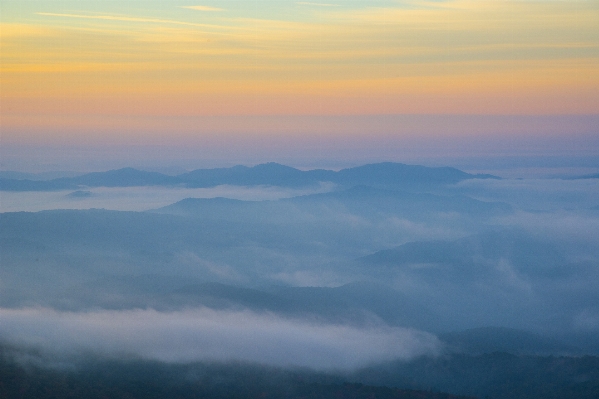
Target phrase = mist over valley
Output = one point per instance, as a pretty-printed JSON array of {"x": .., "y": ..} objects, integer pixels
[{"x": 364, "y": 274}]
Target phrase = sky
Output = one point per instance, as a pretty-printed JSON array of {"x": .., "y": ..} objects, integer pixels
[{"x": 88, "y": 84}]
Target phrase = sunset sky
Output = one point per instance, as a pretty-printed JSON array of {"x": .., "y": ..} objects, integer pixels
[{"x": 243, "y": 81}]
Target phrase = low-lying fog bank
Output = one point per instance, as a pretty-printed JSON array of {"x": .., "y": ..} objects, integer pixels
[{"x": 209, "y": 335}]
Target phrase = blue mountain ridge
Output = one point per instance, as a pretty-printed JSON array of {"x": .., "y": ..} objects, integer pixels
[{"x": 272, "y": 174}]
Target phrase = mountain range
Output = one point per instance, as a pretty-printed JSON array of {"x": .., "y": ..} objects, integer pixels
[{"x": 271, "y": 174}]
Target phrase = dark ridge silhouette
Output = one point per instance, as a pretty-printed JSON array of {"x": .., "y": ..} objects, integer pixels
[
  {"x": 95, "y": 378},
  {"x": 190, "y": 205},
  {"x": 358, "y": 199},
  {"x": 482, "y": 340},
  {"x": 524, "y": 252},
  {"x": 80, "y": 194},
  {"x": 29, "y": 374},
  {"x": 126, "y": 177},
  {"x": 386, "y": 173},
  {"x": 218, "y": 295},
  {"x": 495, "y": 375},
  {"x": 392, "y": 198},
  {"x": 389, "y": 173},
  {"x": 591, "y": 176},
  {"x": 272, "y": 174}
]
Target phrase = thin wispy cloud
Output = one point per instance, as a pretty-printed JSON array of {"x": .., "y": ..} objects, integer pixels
[
  {"x": 308, "y": 3},
  {"x": 448, "y": 58},
  {"x": 203, "y": 8},
  {"x": 128, "y": 19}
]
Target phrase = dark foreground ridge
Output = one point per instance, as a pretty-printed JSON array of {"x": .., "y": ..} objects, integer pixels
[
  {"x": 153, "y": 380},
  {"x": 497, "y": 375},
  {"x": 25, "y": 373},
  {"x": 271, "y": 174}
]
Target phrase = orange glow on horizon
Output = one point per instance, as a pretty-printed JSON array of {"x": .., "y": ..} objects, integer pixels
[{"x": 60, "y": 66}]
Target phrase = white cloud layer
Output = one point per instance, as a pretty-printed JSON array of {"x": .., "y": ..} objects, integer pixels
[{"x": 208, "y": 335}]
